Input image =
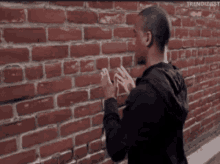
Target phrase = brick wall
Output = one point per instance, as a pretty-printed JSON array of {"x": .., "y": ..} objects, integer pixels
[{"x": 51, "y": 107}]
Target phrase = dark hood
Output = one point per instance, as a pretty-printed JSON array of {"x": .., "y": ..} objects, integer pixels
[{"x": 169, "y": 83}]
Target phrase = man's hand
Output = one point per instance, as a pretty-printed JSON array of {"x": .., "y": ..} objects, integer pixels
[
  {"x": 125, "y": 79},
  {"x": 108, "y": 88}
]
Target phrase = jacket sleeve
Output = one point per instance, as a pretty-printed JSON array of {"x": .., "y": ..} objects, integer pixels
[{"x": 143, "y": 115}]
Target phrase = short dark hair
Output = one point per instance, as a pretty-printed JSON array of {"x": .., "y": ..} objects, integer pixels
[{"x": 155, "y": 19}]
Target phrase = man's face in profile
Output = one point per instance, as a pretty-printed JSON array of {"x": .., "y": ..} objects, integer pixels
[{"x": 140, "y": 48}]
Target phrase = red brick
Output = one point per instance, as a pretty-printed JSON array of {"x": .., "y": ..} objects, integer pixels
[
  {"x": 204, "y": 68},
  {"x": 48, "y": 87},
  {"x": 217, "y": 16},
  {"x": 20, "y": 158},
  {"x": 200, "y": 42},
  {"x": 56, "y": 147},
  {"x": 88, "y": 136},
  {"x": 109, "y": 161},
  {"x": 97, "y": 158},
  {"x": 68, "y": 99},
  {"x": 8, "y": 146},
  {"x": 100, "y": 5},
  {"x": 16, "y": 92},
  {"x": 172, "y": 33},
  {"x": 34, "y": 72},
  {"x": 216, "y": 33},
  {"x": 126, "y": 6},
  {"x": 97, "y": 33},
  {"x": 175, "y": 44},
  {"x": 80, "y": 152},
  {"x": 124, "y": 32},
  {"x": 198, "y": 95},
  {"x": 6, "y": 112},
  {"x": 181, "y": 33},
  {"x": 87, "y": 65},
  {"x": 213, "y": 67},
  {"x": 208, "y": 127},
  {"x": 85, "y": 17},
  {"x": 195, "y": 129},
  {"x": 42, "y": 15},
  {"x": 188, "y": 43},
  {"x": 205, "y": 13},
  {"x": 64, "y": 158},
  {"x": 25, "y": 35},
  {"x": 85, "y": 80},
  {"x": 206, "y": 33},
  {"x": 194, "y": 33},
  {"x": 53, "y": 160},
  {"x": 127, "y": 61},
  {"x": 111, "y": 18},
  {"x": 13, "y": 74},
  {"x": 182, "y": 11},
  {"x": 49, "y": 53},
  {"x": 95, "y": 146},
  {"x": 188, "y": 22},
  {"x": 176, "y": 22},
  {"x": 169, "y": 8},
  {"x": 194, "y": 53},
  {"x": 39, "y": 137},
  {"x": 8, "y": 15},
  {"x": 200, "y": 22},
  {"x": 53, "y": 117},
  {"x": 97, "y": 120},
  {"x": 18, "y": 127},
  {"x": 35, "y": 106},
  {"x": 64, "y": 34},
  {"x": 53, "y": 70},
  {"x": 145, "y": 4},
  {"x": 114, "y": 47},
  {"x": 193, "y": 71},
  {"x": 181, "y": 63},
  {"x": 131, "y": 46},
  {"x": 85, "y": 50},
  {"x": 69, "y": 3},
  {"x": 189, "y": 122},
  {"x": 131, "y": 18},
  {"x": 212, "y": 24},
  {"x": 210, "y": 59},
  {"x": 211, "y": 42},
  {"x": 76, "y": 126},
  {"x": 189, "y": 82},
  {"x": 87, "y": 110},
  {"x": 96, "y": 93},
  {"x": 101, "y": 63},
  {"x": 71, "y": 67},
  {"x": 14, "y": 55},
  {"x": 115, "y": 62}
]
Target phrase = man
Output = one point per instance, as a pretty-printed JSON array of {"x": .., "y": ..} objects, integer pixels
[{"x": 151, "y": 130}]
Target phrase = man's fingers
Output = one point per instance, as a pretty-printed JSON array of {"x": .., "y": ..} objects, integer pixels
[
  {"x": 119, "y": 77},
  {"x": 124, "y": 70},
  {"x": 107, "y": 73},
  {"x": 121, "y": 72},
  {"x": 122, "y": 83}
]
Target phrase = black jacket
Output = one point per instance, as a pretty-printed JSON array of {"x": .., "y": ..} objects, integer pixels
[{"x": 151, "y": 130}]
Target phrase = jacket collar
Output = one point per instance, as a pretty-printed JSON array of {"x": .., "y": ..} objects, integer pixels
[{"x": 158, "y": 65}]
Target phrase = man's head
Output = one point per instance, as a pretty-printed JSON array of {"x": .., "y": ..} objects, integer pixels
[{"x": 153, "y": 31}]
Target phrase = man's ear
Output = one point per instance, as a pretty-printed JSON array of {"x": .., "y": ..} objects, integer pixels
[{"x": 148, "y": 39}]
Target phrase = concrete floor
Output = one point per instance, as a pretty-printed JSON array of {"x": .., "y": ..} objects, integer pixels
[
  {"x": 207, "y": 154},
  {"x": 214, "y": 160}
]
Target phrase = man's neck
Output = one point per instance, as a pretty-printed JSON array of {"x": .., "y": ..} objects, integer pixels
[{"x": 153, "y": 60}]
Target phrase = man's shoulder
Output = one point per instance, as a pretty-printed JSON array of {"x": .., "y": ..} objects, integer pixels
[{"x": 142, "y": 90}]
